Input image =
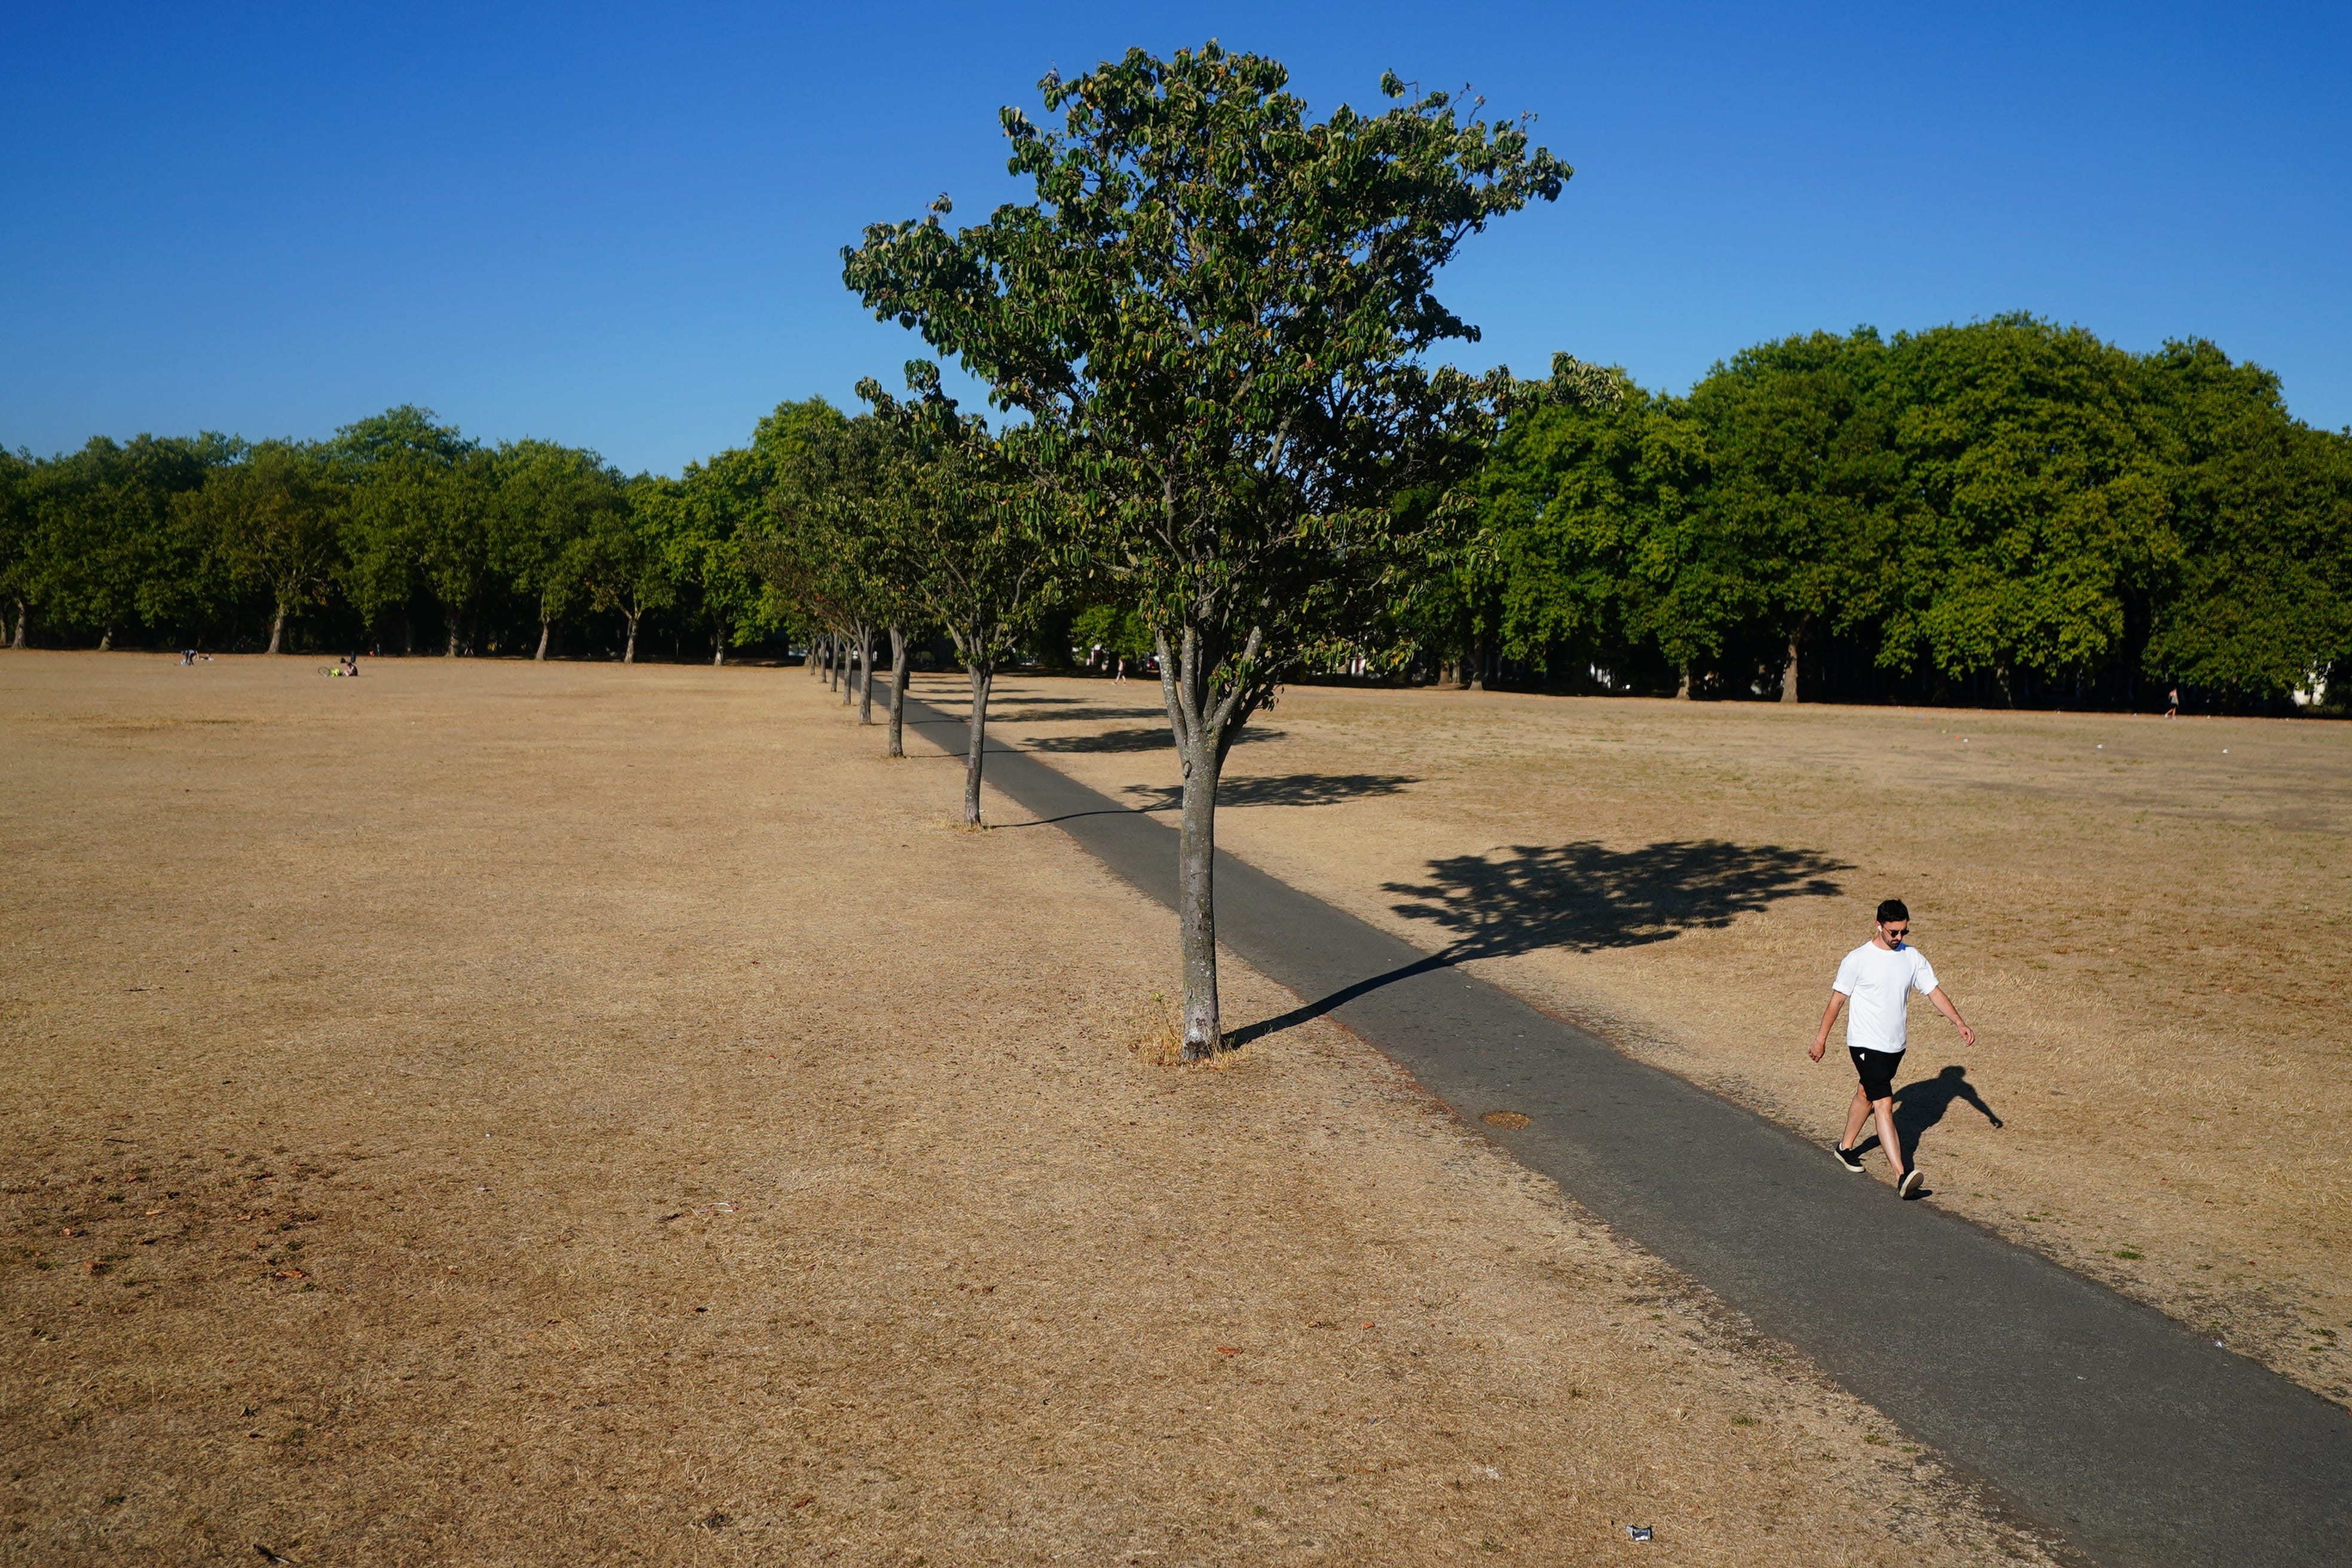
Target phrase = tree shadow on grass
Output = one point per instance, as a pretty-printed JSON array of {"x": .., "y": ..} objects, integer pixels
[
  {"x": 1584, "y": 897},
  {"x": 1015, "y": 710},
  {"x": 1153, "y": 740},
  {"x": 1581, "y": 896},
  {"x": 1287, "y": 789}
]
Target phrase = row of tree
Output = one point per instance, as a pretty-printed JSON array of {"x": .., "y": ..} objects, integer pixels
[
  {"x": 398, "y": 525},
  {"x": 2007, "y": 508}
]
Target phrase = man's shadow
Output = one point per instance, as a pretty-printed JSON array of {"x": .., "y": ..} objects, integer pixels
[{"x": 1921, "y": 1104}]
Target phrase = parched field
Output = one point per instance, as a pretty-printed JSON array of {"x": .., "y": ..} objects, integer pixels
[
  {"x": 2149, "y": 923},
  {"x": 487, "y": 1113}
]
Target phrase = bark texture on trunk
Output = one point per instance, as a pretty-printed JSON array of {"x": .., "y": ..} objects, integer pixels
[
  {"x": 977, "y": 744},
  {"x": 848, "y": 672},
  {"x": 277, "y": 631},
  {"x": 1682, "y": 692},
  {"x": 1477, "y": 681},
  {"x": 106, "y": 642},
  {"x": 24, "y": 624},
  {"x": 866, "y": 676},
  {"x": 1788, "y": 674},
  {"x": 451, "y": 652},
  {"x": 1196, "y": 899},
  {"x": 541, "y": 657},
  {"x": 629, "y": 649},
  {"x": 718, "y": 648},
  {"x": 898, "y": 691}
]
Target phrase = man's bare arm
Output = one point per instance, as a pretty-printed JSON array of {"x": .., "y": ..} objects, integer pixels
[
  {"x": 1951, "y": 1009},
  {"x": 1829, "y": 1017}
]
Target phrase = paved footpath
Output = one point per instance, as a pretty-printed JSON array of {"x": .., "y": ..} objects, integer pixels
[{"x": 2144, "y": 1443}]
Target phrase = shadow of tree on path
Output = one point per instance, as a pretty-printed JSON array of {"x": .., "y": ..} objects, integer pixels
[
  {"x": 1286, "y": 789},
  {"x": 1584, "y": 896}
]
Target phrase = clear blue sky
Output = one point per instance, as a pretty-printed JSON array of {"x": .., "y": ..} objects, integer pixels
[{"x": 620, "y": 228}]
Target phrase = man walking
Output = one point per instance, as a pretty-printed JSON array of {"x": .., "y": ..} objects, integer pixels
[{"x": 1878, "y": 977}]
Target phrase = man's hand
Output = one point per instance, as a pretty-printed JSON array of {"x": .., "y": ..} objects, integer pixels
[
  {"x": 1944, "y": 1006},
  {"x": 1829, "y": 1017}
]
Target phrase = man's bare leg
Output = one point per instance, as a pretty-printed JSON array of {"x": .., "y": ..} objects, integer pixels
[
  {"x": 1856, "y": 1114},
  {"x": 1886, "y": 1140}
]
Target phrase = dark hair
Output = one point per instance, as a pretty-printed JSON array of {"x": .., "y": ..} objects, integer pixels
[{"x": 1892, "y": 910}]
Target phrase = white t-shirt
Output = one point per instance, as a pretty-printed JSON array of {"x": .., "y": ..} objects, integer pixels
[{"x": 1879, "y": 981}]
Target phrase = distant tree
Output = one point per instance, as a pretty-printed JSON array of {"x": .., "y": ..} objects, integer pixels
[
  {"x": 620, "y": 562},
  {"x": 546, "y": 500},
  {"x": 711, "y": 511},
  {"x": 418, "y": 519},
  {"x": 1217, "y": 314},
  {"x": 1808, "y": 492},
  {"x": 270, "y": 524},
  {"x": 107, "y": 551},
  {"x": 1588, "y": 506},
  {"x": 2254, "y": 584},
  {"x": 974, "y": 538},
  {"x": 2041, "y": 505}
]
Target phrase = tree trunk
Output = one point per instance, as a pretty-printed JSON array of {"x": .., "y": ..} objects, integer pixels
[
  {"x": 1196, "y": 900},
  {"x": 977, "y": 734},
  {"x": 452, "y": 651},
  {"x": 718, "y": 647},
  {"x": 2001, "y": 675},
  {"x": 106, "y": 641},
  {"x": 1682, "y": 692},
  {"x": 24, "y": 624},
  {"x": 898, "y": 691},
  {"x": 866, "y": 676},
  {"x": 1477, "y": 681},
  {"x": 541, "y": 657},
  {"x": 629, "y": 649},
  {"x": 1789, "y": 670},
  {"x": 848, "y": 672},
  {"x": 277, "y": 631}
]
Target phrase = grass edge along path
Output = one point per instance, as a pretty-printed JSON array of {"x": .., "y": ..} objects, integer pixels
[{"x": 2143, "y": 1442}]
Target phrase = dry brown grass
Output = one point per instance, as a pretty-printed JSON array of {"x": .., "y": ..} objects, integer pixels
[
  {"x": 481, "y": 1113},
  {"x": 2146, "y": 921}
]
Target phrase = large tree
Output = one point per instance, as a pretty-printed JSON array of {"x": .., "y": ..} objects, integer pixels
[
  {"x": 107, "y": 549},
  {"x": 270, "y": 523},
  {"x": 418, "y": 518},
  {"x": 1809, "y": 491},
  {"x": 1217, "y": 312},
  {"x": 2253, "y": 591},
  {"x": 2039, "y": 500},
  {"x": 548, "y": 498}
]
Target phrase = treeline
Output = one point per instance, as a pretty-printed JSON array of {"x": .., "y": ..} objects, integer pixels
[
  {"x": 399, "y": 533},
  {"x": 2006, "y": 511}
]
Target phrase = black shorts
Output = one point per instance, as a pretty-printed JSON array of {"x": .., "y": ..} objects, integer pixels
[{"x": 1877, "y": 1071}]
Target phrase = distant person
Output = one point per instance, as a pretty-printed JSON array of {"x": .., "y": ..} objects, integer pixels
[
  {"x": 351, "y": 664},
  {"x": 187, "y": 655},
  {"x": 2174, "y": 711},
  {"x": 1879, "y": 977},
  {"x": 1120, "y": 679}
]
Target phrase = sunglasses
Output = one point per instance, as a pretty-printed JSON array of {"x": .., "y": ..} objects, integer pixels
[{"x": 1896, "y": 930}]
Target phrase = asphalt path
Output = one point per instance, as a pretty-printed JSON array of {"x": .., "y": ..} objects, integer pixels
[{"x": 2141, "y": 1441}]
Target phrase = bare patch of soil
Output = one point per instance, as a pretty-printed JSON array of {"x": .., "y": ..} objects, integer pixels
[
  {"x": 487, "y": 1113},
  {"x": 2146, "y": 921}
]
